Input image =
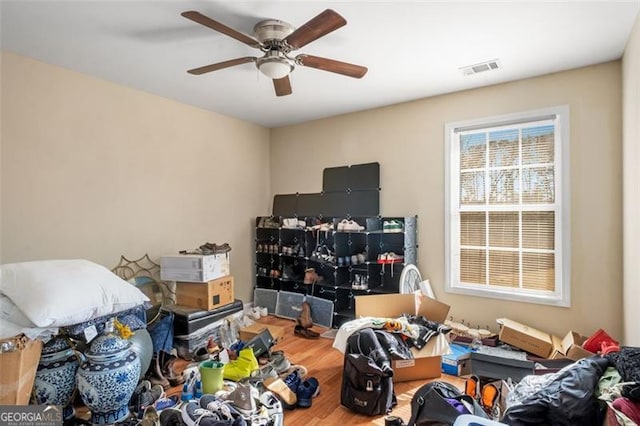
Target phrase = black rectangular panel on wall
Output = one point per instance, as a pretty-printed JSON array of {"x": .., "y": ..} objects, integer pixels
[
  {"x": 309, "y": 205},
  {"x": 364, "y": 176},
  {"x": 285, "y": 205},
  {"x": 335, "y": 179},
  {"x": 347, "y": 191},
  {"x": 334, "y": 204},
  {"x": 364, "y": 203}
]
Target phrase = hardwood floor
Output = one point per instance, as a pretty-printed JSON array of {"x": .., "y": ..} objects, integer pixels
[{"x": 325, "y": 363}]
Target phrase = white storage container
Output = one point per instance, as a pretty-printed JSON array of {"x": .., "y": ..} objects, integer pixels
[{"x": 194, "y": 267}]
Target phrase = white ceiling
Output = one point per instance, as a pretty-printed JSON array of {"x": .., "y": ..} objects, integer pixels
[{"x": 413, "y": 49}]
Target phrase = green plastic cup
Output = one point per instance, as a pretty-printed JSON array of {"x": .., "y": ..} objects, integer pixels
[{"x": 211, "y": 373}]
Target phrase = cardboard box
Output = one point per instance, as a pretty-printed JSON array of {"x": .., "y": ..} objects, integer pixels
[
  {"x": 427, "y": 362},
  {"x": 194, "y": 267},
  {"x": 249, "y": 332},
  {"x": 18, "y": 369},
  {"x": 570, "y": 347},
  {"x": 524, "y": 337},
  {"x": 452, "y": 363},
  {"x": 208, "y": 296}
]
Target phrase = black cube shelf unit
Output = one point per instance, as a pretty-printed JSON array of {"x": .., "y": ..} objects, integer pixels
[{"x": 348, "y": 262}]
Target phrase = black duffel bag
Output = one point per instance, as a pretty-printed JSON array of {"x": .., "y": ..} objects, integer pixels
[{"x": 434, "y": 404}]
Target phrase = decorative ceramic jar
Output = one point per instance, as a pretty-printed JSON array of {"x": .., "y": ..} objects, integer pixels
[
  {"x": 108, "y": 377},
  {"x": 56, "y": 375}
]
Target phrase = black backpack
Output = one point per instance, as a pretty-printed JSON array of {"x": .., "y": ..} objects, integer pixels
[
  {"x": 367, "y": 377},
  {"x": 429, "y": 405}
]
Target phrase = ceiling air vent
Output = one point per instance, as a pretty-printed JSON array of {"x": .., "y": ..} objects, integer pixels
[{"x": 481, "y": 67}]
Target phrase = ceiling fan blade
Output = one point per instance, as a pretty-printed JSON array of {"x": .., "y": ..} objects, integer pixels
[
  {"x": 221, "y": 65},
  {"x": 315, "y": 28},
  {"x": 331, "y": 65},
  {"x": 282, "y": 86},
  {"x": 220, "y": 27}
]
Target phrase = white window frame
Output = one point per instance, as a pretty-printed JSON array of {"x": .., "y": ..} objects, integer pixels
[{"x": 562, "y": 295}]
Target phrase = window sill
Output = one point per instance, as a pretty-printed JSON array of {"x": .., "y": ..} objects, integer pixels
[{"x": 502, "y": 295}]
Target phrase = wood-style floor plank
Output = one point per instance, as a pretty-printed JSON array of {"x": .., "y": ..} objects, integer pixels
[{"x": 325, "y": 363}]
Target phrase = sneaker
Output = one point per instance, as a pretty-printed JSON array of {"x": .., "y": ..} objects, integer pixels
[
  {"x": 274, "y": 407},
  {"x": 136, "y": 401},
  {"x": 171, "y": 417},
  {"x": 349, "y": 226},
  {"x": 390, "y": 226},
  {"x": 307, "y": 390},
  {"x": 254, "y": 313},
  {"x": 293, "y": 380},
  {"x": 166, "y": 402},
  {"x": 284, "y": 392},
  {"x": 242, "y": 400},
  {"x": 300, "y": 369},
  {"x": 594, "y": 343},
  {"x": 150, "y": 417},
  {"x": 390, "y": 257},
  {"x": 279, "y": 362},
  {"x": 194, "y": 415},
  {"x": 219, "y": 406},
  {"x": 263, "y": 372}
]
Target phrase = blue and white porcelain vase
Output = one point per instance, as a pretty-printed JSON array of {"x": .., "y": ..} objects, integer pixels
[
  {"x": 108, "y": 377},
  {"x": 56, "y": 375}
]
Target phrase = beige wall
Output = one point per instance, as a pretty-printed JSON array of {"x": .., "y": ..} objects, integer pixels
[
  {"x": 94, "y": 170},
  {"x": 631, "y": 167},
  {"x": 408, "y": 142}
]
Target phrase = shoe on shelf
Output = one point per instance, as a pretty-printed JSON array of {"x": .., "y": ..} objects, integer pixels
[
  {"x": 348, "y": 225},
  {"x": 310, "y": 276},
  {"x": 392, "y": 226},
  {"x": 390, "y": 257},
  {"x": 308, "y": 389}
]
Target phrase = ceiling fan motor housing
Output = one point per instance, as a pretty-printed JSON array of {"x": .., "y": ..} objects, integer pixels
[{"x": 272, "y": 30}]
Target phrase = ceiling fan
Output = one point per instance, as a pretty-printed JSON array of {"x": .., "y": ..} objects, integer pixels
[{"x": 277, "y": 39}]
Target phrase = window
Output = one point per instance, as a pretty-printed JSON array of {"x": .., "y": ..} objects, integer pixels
[{"x": 508, "y": 207}]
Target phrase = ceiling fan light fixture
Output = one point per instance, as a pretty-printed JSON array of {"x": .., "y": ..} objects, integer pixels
[{"x": 274, "y": 67}]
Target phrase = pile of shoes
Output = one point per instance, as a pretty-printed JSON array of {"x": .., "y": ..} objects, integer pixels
[
  {"x": 209, "y": 248},
  {"x": 296, "y": 389},
  {"x": 304, "y": 322}
]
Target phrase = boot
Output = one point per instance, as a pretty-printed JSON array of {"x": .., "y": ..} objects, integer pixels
[
  {"x": 167, "y": 361},
  {"x": 154, "y": 375},
  {"x": 304, "y": 319}
]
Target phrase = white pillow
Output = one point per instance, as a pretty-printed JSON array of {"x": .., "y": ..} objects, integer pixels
[{"x": 59, "y": 293}]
